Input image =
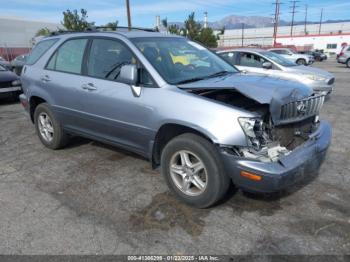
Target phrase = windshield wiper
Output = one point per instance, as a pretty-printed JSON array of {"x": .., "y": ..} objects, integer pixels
[
  {"x": 220, "y": 73},
  {"x": 195, "y": 79}
]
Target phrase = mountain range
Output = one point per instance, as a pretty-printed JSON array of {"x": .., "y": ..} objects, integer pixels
[{"x": 236, "y": 21}]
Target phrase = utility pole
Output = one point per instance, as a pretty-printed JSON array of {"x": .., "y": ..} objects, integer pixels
[
  {"x": 242, "y": 34},
  {"x": 293, "y": 13},
  {"x": 128, "y": 14},
  {"x": 276, "y": 21},
  {"x": 319, "y": 30},
  {"x": 305, "y": 31}
]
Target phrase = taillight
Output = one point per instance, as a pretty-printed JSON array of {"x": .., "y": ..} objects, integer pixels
[{"x": 341, "y": 53}]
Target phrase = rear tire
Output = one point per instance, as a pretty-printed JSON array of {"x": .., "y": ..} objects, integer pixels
[
  {"x": 203, "y": 164},
  {"x": 348, "y": 63},
  {"x": 301, "y": 62},
  {"x": 48, "y": 128}
]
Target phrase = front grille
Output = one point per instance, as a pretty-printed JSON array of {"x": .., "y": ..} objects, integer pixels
[
  {"x": 5, "y": 84},
  {"x": 331, "y": 81},
  {"x": 301, "y": 109}
]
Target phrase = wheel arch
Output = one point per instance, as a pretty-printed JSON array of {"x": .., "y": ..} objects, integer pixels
[
  {"x": 34, "y": 101},
  {"x": 167, "y": 132}
]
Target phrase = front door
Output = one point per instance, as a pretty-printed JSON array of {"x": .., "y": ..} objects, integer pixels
[{"x": 113, "y": 112}]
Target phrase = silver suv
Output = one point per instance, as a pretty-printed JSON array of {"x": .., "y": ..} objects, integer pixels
[
  {"x": 294, "y": 57},
  {"x": 179, "y": 105},
  {"x": 344, "y": 56}
]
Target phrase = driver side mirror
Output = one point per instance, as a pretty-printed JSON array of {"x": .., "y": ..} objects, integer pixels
[
  {"x": 267, "y": 65},
  {"x": 128, "y": 74}
]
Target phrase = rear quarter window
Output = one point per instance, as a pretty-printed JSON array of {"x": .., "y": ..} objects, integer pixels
[{"x": 40, "y": 49}]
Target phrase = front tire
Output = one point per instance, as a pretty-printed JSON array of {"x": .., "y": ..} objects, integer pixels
[
  {"x": 301, "y": 62},
  {"x": 193, "y": 170},
  {"x": 48, "y": 128},
  {"x": 348, "y": 63}
]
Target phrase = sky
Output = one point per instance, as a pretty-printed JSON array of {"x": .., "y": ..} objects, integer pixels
[{"x": 143, "y": 12}]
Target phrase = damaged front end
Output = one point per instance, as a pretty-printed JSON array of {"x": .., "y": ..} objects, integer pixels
[
  {"x": 271, "y": 135},
  {"x": 284, "y": 136}
]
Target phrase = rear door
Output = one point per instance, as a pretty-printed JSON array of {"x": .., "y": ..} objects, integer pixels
[
  {"x": 62, "y": 78},
  {"x": 230, "y": 57}
]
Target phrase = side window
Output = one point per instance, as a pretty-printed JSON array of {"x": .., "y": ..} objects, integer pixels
[
  {"x": 331, "y": 46},
  {"x": 68, "y": 57},
  {"x": 39, "y": 49},
  {"x": 251, "y": 60},
  {"x": 230, "y": 57},
  {"x": 281, "y": 52},
  {"x": 106, "y": 57}
]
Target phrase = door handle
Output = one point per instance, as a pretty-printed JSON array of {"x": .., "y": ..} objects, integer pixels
[
  {"x": 45, "y": 78},
  {"x": 89, "y": 87}
]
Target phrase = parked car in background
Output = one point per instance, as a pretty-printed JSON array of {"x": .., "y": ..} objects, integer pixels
[
  {"x": 344, "y": 56},
  {"x": 318, "y": 56},
  {"x": 18, "y": 63},
  {"x": 10, "y": 84},
  {"x": 201, "y": 120},
  {"x": 322, "y": 53},
  {"x": 300, "y": 59},
  {"x": 5, "y": 63},
  {"x": 271, "y": 64}
]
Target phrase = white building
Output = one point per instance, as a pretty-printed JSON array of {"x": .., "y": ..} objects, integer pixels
[
  {"x": 330, "y": 39},
  {"x": 16, "y": 35}
]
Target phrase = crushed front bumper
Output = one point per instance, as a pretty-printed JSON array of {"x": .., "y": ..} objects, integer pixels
[{"x": 290, "y": 169}]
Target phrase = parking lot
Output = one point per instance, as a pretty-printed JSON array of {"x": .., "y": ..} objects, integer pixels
[{"x": 90, "y": 198}]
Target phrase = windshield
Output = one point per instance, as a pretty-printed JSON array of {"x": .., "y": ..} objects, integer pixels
[
  {"x": 2, "y": 68},
  {"x": 278, "y": 59},
  {"x": 179, "y": 60}
]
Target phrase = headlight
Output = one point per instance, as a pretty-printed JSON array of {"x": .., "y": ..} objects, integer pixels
[
  {"x": 16, "y": 83},
  {"x": 253, "y": 129},
  {"x": 314, "y": 77}
]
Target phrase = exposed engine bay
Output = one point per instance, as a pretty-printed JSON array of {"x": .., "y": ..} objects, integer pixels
[{"x": 268, "y": 141}]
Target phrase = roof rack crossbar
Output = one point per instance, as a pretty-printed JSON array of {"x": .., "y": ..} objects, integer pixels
[{"x": 97, "y": 29}]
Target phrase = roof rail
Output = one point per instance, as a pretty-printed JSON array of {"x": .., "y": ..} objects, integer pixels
[
  {"x": 122, "y": 27},
  {"x": 98, "y": 29}
]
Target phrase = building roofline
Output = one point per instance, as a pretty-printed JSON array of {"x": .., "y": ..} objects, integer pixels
[{"x": 312, "y": 35}]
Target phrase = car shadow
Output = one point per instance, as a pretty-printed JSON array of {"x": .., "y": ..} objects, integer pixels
[{"x": 8, "y": 101}]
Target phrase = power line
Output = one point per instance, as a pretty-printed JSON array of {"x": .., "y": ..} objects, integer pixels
[
  {"x": 276, "y": 20},
  {"x": 305, "y": 31},
  {"x": 319, "y": 30},
  {"x": 128, "y": 14},
  {"x": 293, "y": 14},
  {"x": 242, "y": 34}
]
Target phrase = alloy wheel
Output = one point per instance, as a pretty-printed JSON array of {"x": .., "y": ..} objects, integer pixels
[
  {"x": 188, "y": 173},
  {"x": 45, "y": 127}
]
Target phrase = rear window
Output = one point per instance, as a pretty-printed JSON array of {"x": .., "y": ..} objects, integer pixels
[{"x": 39, "y": 50}]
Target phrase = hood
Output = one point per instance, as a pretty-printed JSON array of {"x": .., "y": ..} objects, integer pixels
[
  {"x": 7, "y": 76},
  {"x": 260, "y": 88},
  {"x": 310, "y": 70}
]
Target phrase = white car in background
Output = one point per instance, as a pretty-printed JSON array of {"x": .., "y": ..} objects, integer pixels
[
  {"x": 300, "y": 59},
  {"x": 268, "y": 63}
]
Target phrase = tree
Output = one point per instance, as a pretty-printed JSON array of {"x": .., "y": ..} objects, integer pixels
[
  {"x": 192, "y": 27},
  {"x": 194, "y": 31},
  {"x": 112, "y": 25},
  {"x": 174, "y": 29},
  {"x": 165, "y": 23},
  {"x": 75, "y": 22},
  {"x": 208, "y": 38},
  {"x": 43, "y": 32}
]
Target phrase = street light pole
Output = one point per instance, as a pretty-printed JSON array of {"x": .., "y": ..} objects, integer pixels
[{"x": 128, "y": 14}]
